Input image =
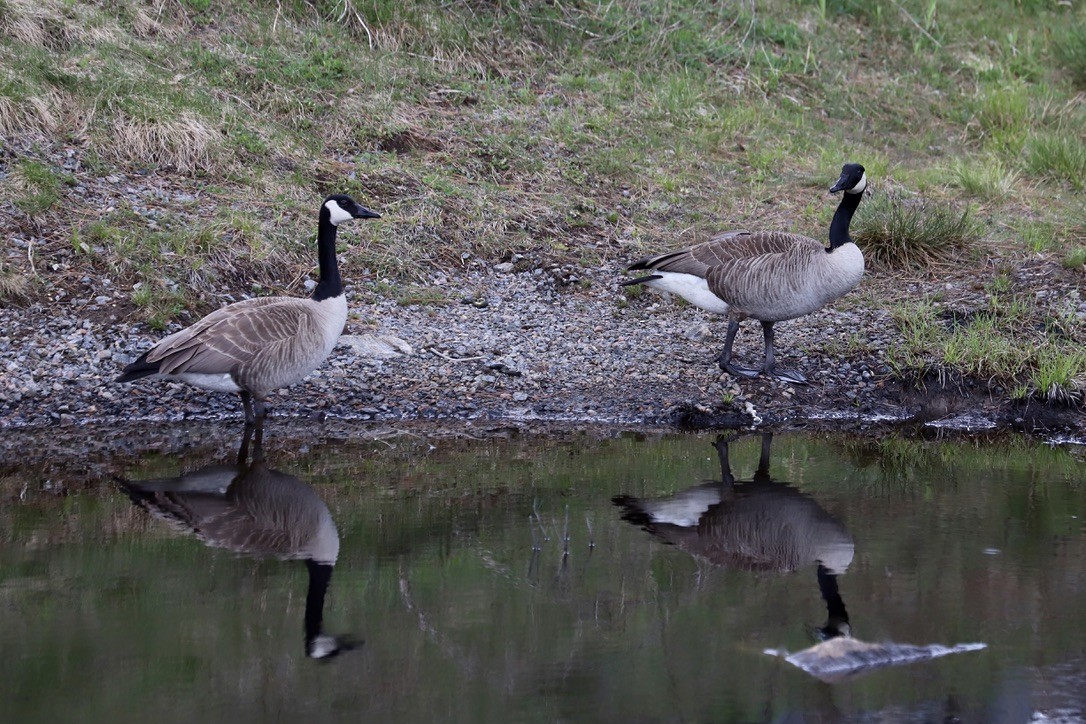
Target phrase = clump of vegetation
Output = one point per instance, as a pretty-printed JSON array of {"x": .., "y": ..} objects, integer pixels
[
  {"x": 986, "y": 178},
  {"x": 1005, "y": 343},
  {"x": 413, "y": 295},
  {"x": 1059, "y": 156},
  {"x": 1070, "y": 48},
  {"x": 13, "y": 284},
  {"x": 896, "y": 233},
  {"x": 1076, "y": 258},
  {"x": 37, "y": 187}
]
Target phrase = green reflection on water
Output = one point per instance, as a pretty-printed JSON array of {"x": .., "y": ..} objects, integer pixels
[{"x": 111, "y": 614}]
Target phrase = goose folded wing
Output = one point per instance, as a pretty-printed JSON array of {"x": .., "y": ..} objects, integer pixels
[
  {"x": 230, "y": 341},
  {"x": 241, "y": 532}
]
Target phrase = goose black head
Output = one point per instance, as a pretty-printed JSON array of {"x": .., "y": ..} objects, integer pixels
[
  {"x": 853, "y": 179},
  {"x": 343, "y": 208}
]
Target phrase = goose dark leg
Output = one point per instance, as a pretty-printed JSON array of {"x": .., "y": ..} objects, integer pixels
[
  {"x": 725, "y": 358},
  {"x": 261, "y": 411},
  {"x": 247, "y": 405},
  {"x": 770, "y": 367},
  {"x": 762, "y": 473},
  {"x": 721, "y": 445},
  {"x": 243, "y": 449}
]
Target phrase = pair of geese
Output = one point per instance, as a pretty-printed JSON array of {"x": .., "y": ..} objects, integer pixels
[{"x": 260, "y": 345}]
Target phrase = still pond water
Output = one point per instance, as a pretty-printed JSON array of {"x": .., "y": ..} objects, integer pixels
[{"x": 588, "y": 576}]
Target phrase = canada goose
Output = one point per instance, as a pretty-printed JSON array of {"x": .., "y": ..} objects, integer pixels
[
  {"x": 759, "y": 525},
  {"x": 257, "y": 511},
  {"x": 770, "y": 276},
  {"x": 256, "y": 346}
]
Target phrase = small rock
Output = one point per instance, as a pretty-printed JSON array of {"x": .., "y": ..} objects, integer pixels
[{"x": 376, "y": 346}]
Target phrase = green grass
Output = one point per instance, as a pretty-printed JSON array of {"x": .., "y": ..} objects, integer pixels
[
  {"x": 1006, "y": 344},
  {"x": 1060, "y": 157},
  {"x": 39, "y": 187},
  {"x": 1070, "y": 47},
  {"x": 985, "y": 178},
  {"x": 1075, "y": 259},
  {"x": 413, "y": 295}
]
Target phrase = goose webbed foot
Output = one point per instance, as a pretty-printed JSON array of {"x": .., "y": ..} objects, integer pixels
[
  {"x": 737, "y": 371},
  {"x": 770, "y": 365},
  {"x": 792, "y": 376}
]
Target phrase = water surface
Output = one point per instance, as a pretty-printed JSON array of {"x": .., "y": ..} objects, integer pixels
[{"x": 496, "y": 579}]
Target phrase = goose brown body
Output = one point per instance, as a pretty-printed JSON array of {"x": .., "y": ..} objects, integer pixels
[
  {"x": 257, "y": 345},
  {"x": 771, "y": 276}
]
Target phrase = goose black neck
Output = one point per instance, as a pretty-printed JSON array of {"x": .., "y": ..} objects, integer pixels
[
  {"x": 320, "y": 574},
  {"x": 842, "y": 218},
  {"x": 837, "y": 616},
  {"x": 329, "y": 284}
]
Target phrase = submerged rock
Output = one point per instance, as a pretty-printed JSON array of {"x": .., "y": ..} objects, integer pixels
[{"x": 841, "y": 658}]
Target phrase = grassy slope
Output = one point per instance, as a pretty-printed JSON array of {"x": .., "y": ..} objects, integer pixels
[{"x": 583, "y": 132}]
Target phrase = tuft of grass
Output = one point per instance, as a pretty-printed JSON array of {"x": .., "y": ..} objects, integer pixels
[
  {"x": 1058, "y": 156},
  {"x": 35, "y": 116},
  {"x": 1003, "y": 343},
  {"x": 39, "y": 186},
  {"x": 896, "y": 233},
  {"x": 1070, "y": 47},
  {"x": 986, "y": 178},
  {"x": 1075, "y": 259},
  {"x": 185, "y": 143},
  {"x": 14, "y": 285},
  {"x": 160, "y": 303},
  {"x": 414, "y": 295},
  {"x": 1039, "y": 235},
  {"x": 1059, "y": 374},
  {"x": 1004, "y": 116}
]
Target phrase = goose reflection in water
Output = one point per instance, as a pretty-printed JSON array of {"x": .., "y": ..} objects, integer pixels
[
  {"x": 251, "y": 509},
  {"x": 755, "y": 525},
  {"x": 763, "y": 525}
]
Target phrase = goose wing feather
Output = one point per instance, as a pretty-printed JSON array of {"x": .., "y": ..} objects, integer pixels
[
  {"x": 762, "y": 267},
  {"x": 263, "y": 512},
  {"x": 233, "y": 337},
  {"x": 697, "y": 259}
]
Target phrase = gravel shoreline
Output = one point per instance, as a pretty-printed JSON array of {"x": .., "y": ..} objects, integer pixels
[{"x": 560, "y": 345}]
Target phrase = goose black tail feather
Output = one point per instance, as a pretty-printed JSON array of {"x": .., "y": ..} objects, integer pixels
[
  {"x": 640, "y": 280},
  {"x": 632, "y": 510},
  {"x": 656, "y": 262},
  {"x": 138, "y": 369}
]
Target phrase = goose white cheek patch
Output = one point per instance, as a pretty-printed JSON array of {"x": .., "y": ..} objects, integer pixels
[
  {"x": 336, "y": 214},
  {"x": 859, "y": 187}
]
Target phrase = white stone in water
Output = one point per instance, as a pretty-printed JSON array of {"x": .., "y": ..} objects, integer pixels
[{"x": 840, "y": 658}]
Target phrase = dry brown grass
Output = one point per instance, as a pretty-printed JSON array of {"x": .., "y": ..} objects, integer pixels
[
  {"x": 54, "y": 24},
  {"x": 38, "y": 116},
  {"x": 186, "y": 143},
  {"x": 14, "y": 285}
]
